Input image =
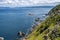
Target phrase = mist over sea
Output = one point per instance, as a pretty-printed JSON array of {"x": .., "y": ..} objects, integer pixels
[{"x": 13, "y": 20}]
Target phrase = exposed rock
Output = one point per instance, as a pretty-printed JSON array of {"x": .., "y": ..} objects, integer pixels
[
  {"x": 45, "y": 37},
  {"x": 58, "y": 11},
  {"x": 30, "y": 14},
  {"x": 1, "y": 38},
  {"x": 37, "y": 19},
  {"x": 21, "y": 34},
  {"x": 46, "y": 14},
  {"x": 21, "y": 39}
]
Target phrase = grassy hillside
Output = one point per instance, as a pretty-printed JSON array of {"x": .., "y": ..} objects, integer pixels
[{"x": 49, "y": 29}]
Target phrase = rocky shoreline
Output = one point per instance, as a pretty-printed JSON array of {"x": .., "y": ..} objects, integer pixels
[
  {"x": 49, "y": 29},
  {"x": 22, "y": 35}
]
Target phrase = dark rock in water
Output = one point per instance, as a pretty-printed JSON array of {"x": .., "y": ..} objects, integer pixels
[
  {"x": 46, "y": 14},
  {"x": 30, "y": 14},
  {"x": 1, "y": 38},
  {"x": 20, "y": 34},
  {"x": 37, "y": 19}
]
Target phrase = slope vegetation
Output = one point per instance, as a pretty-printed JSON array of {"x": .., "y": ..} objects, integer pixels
[{"x": 49, "y": 29}]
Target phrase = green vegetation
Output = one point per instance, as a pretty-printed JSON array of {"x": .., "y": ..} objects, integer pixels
[{"x": 49, "y": 29}]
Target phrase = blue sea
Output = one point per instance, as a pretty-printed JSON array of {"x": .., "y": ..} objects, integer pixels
[{"x": 13, "y": 20}]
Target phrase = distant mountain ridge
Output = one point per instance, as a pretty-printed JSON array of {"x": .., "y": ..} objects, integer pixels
[
  {"x": 26, "y": 7},
  {"x": 17, "y": 9}
]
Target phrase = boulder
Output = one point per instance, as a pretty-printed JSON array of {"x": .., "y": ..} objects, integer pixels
[
  {"x": 1, "y": 38},
  {"x": 21, "y": 34},
  {"x": 37, "y": 19}
]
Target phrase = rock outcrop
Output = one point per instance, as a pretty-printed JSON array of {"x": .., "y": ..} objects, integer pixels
[{"x": 1, "y": 38}]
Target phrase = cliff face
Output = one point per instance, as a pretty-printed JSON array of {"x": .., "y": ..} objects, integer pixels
[{"x": 49, "y": 29}]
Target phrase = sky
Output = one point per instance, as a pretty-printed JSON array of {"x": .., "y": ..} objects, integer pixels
[{"x": 24, "y": 3}]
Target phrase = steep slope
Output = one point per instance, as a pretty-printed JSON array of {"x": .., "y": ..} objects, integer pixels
[{"x": 49, "y": 29}]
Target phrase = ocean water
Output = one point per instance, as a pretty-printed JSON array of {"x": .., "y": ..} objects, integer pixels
[{"x": 13, "y": 20}]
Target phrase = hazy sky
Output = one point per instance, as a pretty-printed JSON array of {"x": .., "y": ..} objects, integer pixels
[{"x": 23, "y": 3}]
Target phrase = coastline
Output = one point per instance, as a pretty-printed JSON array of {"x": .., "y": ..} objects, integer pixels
[{"x": 44, "y": 30}]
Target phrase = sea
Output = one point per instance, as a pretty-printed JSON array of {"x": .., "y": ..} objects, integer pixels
[{"x": 13, "y": 20}]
